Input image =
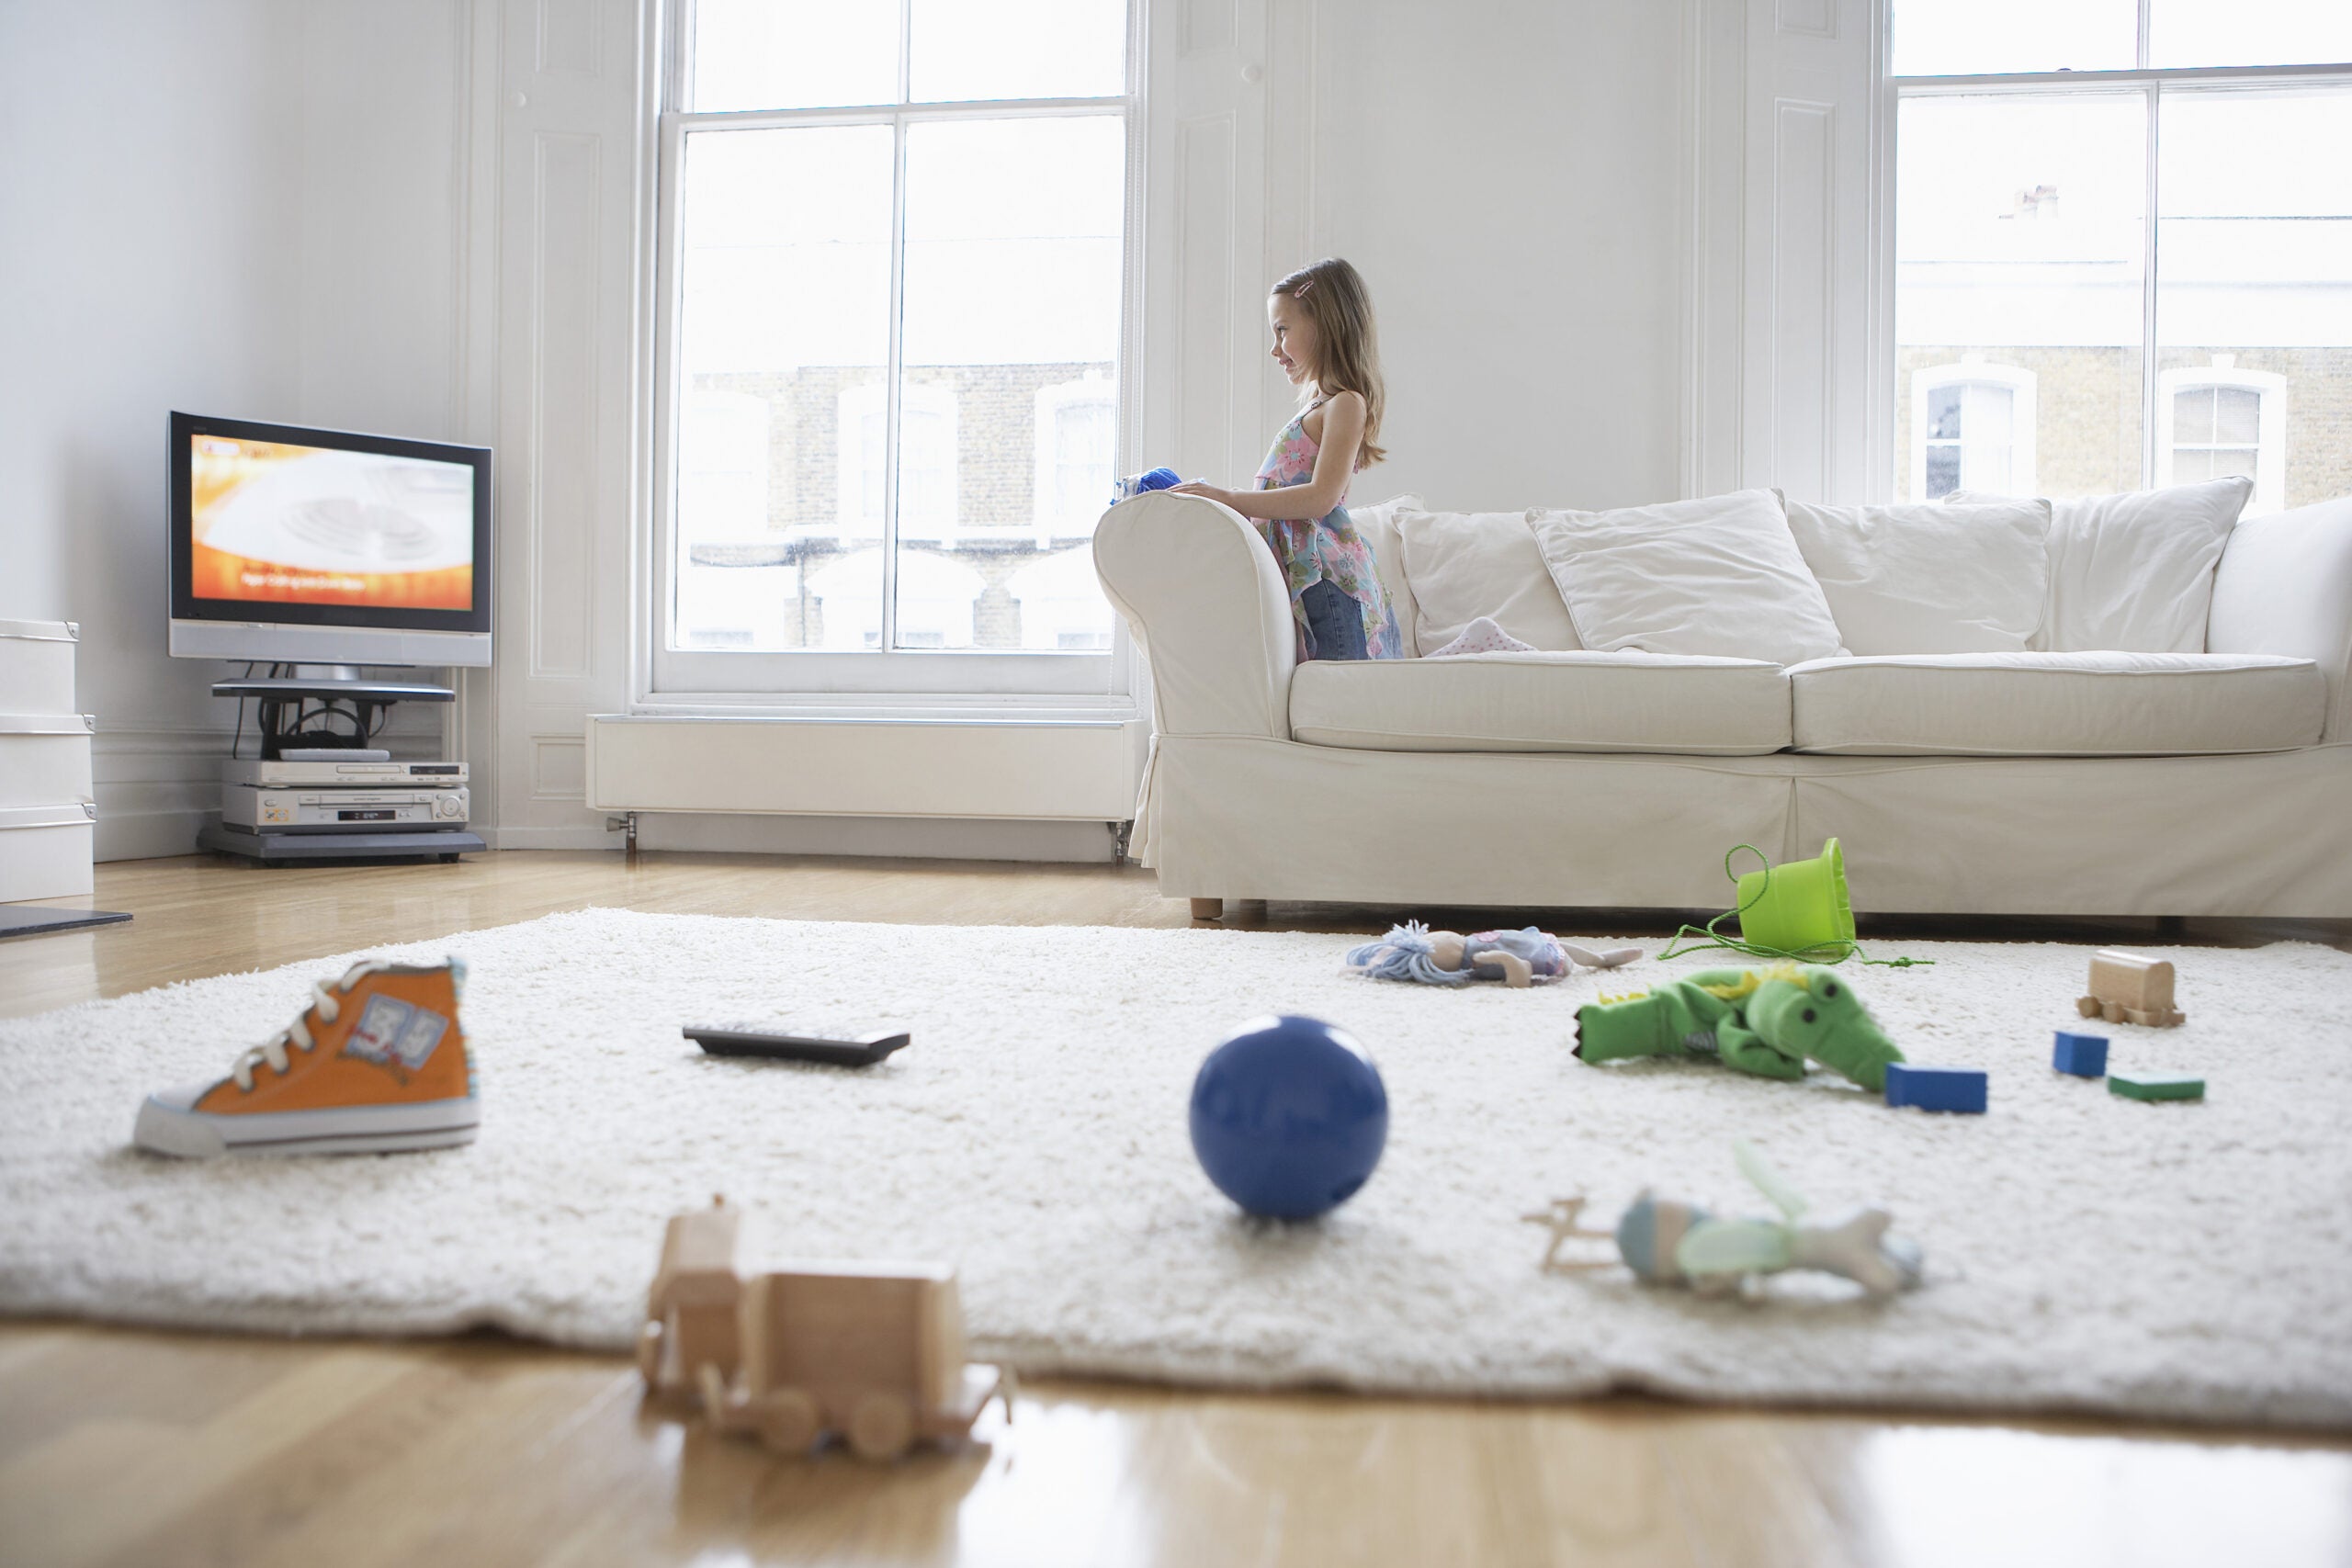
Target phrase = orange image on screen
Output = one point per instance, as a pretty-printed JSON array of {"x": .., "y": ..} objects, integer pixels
[{"x": 275, "y": 523}]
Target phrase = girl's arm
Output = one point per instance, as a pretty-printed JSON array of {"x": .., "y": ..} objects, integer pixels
[{"x": 1335, "y": 463}]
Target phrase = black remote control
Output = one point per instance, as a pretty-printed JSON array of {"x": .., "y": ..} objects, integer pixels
[{"x": 862, "y": 1052}]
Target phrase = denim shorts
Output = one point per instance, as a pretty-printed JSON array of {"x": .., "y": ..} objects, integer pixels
[{"x": 1334, "y": 623}]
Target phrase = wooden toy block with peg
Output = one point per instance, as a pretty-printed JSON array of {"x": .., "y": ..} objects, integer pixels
[
  {"x": 2128, "y": 988},
  {"x": 873, "y": 1352}
]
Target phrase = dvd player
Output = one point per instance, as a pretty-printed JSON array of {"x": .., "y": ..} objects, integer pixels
[
  {"x": 315, "y": 773},
  {"x": 341, "y": 809}
]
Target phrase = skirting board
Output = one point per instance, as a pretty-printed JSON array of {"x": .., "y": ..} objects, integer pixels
[
  {"x": 1033, "y": 771},
  {"x": 912, "y": 838}
]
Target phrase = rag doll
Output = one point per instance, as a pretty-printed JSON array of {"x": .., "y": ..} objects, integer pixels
[{"x": 1413, "y": 952}]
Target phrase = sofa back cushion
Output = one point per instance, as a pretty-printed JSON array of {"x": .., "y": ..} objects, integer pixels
[
  {"x": 1927, "y": 578},
  {"x": 1377, "y": 525},
  {"x": 1463, "y": 565},
  {"x": 2135, "y": 572},
  {"x": 1718, "y": 576}
]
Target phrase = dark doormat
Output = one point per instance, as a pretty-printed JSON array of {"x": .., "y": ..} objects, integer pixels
[{"x": 32, "y": 920}]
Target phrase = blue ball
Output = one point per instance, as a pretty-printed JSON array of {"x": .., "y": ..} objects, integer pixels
[{"x": 1289, "y": 1117}]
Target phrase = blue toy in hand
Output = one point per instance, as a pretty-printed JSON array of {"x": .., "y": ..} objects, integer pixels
[
  {"x": 1139, "y": 484},
  {"x": 1289, "y": 1117}
]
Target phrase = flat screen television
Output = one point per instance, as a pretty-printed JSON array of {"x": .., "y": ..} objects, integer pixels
[{"x": 322, "y": 547}]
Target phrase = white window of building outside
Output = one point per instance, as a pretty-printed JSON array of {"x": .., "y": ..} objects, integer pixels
[
  {"x": 2219, "y": 419},
  {"x": 2109, "y": 200},
  {"x": 1972, "y": 427},
  {"x": 893, "y": 263}
]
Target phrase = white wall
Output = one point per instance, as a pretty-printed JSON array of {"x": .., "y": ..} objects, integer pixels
[
  {"x": 1508, "y": 174},
  {"x": 233, "y": 207},
  {"x": 278, "y": 208}
]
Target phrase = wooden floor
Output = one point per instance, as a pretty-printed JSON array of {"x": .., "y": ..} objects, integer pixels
[{"x": 120, "y": 1447}]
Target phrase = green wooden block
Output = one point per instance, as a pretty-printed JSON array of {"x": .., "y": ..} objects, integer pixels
[{"x": 2155, "y": 1086}]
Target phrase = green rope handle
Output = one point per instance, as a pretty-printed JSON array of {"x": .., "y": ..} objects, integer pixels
[{"x": 1827, "y": 952}]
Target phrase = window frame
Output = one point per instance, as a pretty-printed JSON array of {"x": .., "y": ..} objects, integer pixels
[
  {"x": 916, "y": 684},
  {"x": 1051, "y": 402},
  {"x": 2144, "y": 80},
  {"x": 2015, "y": 379},
  {"x": 2269, "y": 388}
]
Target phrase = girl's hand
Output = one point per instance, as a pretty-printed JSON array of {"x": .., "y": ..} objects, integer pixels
[{"x": 1217, "y": 494}]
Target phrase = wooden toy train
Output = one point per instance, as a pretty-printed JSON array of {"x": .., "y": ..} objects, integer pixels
[{"x": 873, "y": 1352}]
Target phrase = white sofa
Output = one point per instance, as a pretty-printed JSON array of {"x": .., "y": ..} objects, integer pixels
[{"x": 2034, "y": 782}]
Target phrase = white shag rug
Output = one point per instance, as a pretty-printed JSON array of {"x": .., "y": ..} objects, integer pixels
[{"x": 2085, "y": 1252}]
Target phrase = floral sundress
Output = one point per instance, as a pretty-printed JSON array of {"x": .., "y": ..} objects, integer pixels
[{"x": 1325, "y": 549}]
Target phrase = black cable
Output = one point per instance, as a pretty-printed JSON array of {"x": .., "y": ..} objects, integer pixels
[{"x": 238, "y": 740}]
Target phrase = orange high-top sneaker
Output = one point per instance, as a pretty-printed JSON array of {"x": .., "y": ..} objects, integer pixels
[{"x": 377, "y": 1062}]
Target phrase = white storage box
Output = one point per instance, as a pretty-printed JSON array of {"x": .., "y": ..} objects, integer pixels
[
  {"x": 45, "y": 757},
  {"x": 45, "y": 851},
  {"x": 37, "y": 666}
]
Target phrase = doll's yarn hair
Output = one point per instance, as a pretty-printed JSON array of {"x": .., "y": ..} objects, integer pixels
[{"x": 1405, "y": 954}]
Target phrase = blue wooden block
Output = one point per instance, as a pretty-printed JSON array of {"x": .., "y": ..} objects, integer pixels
[
  {"x": 2084, "y": 1056},
  {"x": 1936, "y": 1088}
]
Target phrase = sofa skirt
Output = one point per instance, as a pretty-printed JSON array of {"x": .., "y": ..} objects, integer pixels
[{"x": 1244, "y": 816}]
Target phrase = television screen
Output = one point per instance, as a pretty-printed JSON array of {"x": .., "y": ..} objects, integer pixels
[
  {"x": 274, "y": 523},
  {"x": 294, "y": 542}
]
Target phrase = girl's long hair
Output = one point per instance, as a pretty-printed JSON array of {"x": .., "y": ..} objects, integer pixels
[{"x": 1346, "y": 350}]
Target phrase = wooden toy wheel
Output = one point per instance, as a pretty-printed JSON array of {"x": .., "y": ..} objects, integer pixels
[
  {"x": 649, "y": 1352},
  {"x": 881, "y": 1426},
  {"x": 788, "y": 1421}
]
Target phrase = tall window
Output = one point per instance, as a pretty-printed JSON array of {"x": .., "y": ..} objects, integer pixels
[
  {"x": 894, "y": 259},
  {"x": 2121, "y": 244}
]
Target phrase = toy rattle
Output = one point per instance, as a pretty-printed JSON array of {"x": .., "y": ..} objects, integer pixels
[
  {"x": 1144, "y": 483},
  {"x": 1666, "y": 1241},
  {"x": 1413, "y": 952}
]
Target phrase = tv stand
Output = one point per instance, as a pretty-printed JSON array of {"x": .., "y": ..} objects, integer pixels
[
  {"x": 282, "y": 699},
  {"x": 278, "y": 695}
]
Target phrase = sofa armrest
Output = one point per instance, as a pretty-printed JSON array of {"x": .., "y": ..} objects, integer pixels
[
  {"x": 1200, "y": 589},
  {"x": 2285, "y": 586}
]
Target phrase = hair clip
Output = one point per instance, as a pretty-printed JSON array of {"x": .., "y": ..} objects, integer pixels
[{"x": 1300, "y": 292}]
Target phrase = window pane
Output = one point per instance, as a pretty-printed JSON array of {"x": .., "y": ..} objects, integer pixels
[
  {"x": 1011, "y": 317},
  {"x": 1943, "y": 411},
  {"x": 792, "y": 55},
  {"x": 1018, "y": 48},
  {"x": 2249, "y": 32},
  {"x": 2235, "y": 421},
  {"x": 1950, "y": 37},
  {"x": 785, "y": 269},
  {"x": 2255, "y": 275},
  {"x": 2018, "y": 240},
  {"x": 1943, "y": 471}
]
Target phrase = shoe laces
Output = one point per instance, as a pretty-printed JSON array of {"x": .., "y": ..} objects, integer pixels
[{"x": 297, "y": 1034}]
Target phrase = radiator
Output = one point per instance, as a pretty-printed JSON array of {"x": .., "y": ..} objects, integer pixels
[{"x": 1082, "y": 770}]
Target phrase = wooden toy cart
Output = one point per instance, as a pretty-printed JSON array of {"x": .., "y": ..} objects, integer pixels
[
  {"x": 874, "y": 1352},
  {"x": 2128, "y": 988}
]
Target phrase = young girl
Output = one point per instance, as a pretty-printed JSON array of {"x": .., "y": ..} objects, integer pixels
[{"x": 1321, "y": 320}]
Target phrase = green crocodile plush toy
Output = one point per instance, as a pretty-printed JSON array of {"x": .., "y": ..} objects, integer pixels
[{"x": 1765, "y": 1022}]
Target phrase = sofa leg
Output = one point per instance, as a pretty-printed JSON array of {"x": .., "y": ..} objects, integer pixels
[{"x": 1208, "y": 909}]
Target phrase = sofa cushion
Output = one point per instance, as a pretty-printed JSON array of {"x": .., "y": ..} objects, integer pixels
[
  {"x": 1719, "y": 576},
  {"x": 1463, "y": 565},
  {"x": 1544, "y": 702},
  {"x": 2056, "y": 705},
  {"x": 2134, "y": 571},
  {"x": 1929, "y": 578}
]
